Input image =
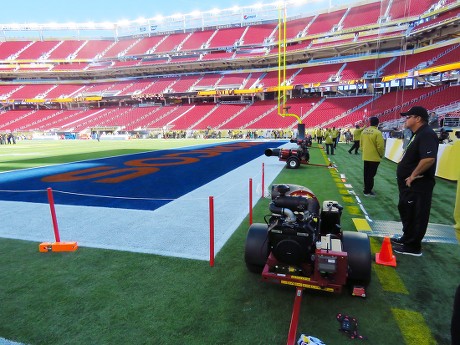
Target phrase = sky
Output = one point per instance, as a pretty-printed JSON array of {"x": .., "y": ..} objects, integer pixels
[{"x": 81, "y": 11}]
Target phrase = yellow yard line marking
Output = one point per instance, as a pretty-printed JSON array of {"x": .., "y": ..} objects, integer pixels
[
  {"x": 348, "y": 199},
  {"x": 388, "y": 277},
  {"x": 413, "y": 327},
  {"x": 361, "y": 224},
  {"x": 354, "y": 210},
  {"x": 342, "y": 191}
]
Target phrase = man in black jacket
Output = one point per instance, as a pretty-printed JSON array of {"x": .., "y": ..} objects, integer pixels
[{"x": 415, "y": 174}]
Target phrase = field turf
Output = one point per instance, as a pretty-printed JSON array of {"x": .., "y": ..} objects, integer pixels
[{"x": 98, "y": 296}]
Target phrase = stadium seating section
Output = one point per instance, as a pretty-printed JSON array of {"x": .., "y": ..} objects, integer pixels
[{"x": 129, "y": 100}]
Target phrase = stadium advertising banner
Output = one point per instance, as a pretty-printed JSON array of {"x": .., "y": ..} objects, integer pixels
[
  {"x": 426, "y": 71},
  {"x": 230, "y": 92},
  {"x": 35, "y": 100},
  {"x": 62, "y": 100}
]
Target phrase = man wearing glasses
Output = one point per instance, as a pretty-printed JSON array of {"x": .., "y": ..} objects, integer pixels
[{"x": 415, "y": 174}]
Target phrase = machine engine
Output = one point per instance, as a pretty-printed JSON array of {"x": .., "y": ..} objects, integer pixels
[{"x": 294, "y": 228}]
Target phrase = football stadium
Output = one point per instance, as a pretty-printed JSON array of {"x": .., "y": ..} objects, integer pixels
[{"x": 164, "y": 180}]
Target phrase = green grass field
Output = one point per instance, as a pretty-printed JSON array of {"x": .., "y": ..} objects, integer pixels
[{"x": 97, "y": 296}]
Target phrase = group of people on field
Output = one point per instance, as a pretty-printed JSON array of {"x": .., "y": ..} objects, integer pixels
[
  {"x": 7, "y": 138},
  {"x": 330, "y": 136},
  {"x": 415, "y": 172},
  {"x": 415, "y": 175}
]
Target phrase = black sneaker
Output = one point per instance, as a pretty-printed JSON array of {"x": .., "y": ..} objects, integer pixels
[
  {"x": 371, "y": 193},
  {"x": 403, "y": 249},
  {"x": 397, "y": 239}
]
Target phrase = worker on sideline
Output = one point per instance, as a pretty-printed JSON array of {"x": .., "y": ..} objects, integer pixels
[
  {"x": 373, "y": 147},
  {"x": 416, "y": 179},
  {"x": 356, "y": 139},
  {"x": 329, "y": 141}
]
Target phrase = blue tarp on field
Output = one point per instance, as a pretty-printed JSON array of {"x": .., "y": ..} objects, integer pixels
[{"x": 142, "y": 181}]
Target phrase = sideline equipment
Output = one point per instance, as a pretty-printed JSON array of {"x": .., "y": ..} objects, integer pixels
[{"x": 304, "y": 246}]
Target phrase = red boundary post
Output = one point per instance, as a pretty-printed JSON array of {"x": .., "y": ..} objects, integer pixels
[
  {"x": 53, "y": 215},
  {"x": 250, "y": 201},
  {"x": 295, "y": 317},
  {"x": 211, "y": 231},
  {"x": 263, "y": 180}
]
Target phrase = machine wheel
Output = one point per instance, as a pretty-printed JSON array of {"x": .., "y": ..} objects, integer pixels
[
  {"x": 256, "y": 250},
  {"x": 358, "y": 248},
  {"x": 293, "y": 162}
]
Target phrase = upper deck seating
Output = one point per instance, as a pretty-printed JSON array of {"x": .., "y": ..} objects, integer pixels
[
  {"x": 171, "y": 43},
  {"x": 75, "y": 66},
  {"x": 256, "y": 34},
  {"x": 208, "y": 81},
  {"x": 325, "y": 22},
  {"x": 253, "y": 80},
  {"x": 363, "y": 15},
  {"x": 226, "y": 37},
  {"x": 119, "y": 47},
  {"x": 37, "y": 50},
  {"x": 184, "y": 58},
  {"x": 65, "y": 90},
  {"x": 10, "y": 48},
  {"x": 184, "y": 83},
  {"x": 31, "y": 91},
  {"x": 271, "y": 78},
  {"x": 421, "y": 60},
  {"x": 93, "y": 48},
  {"x": 197, "y": 40},
  {"x": 233, "y": 80},
  {"x": 160, "y": 85},
  {"x": 317, "y": 74},
  {"x": 65, "y": 49},
  {"x": 144, "y": 45},
  {"x": 403, "y": 9},
  {"x": 357, "y": 69},
  {"x": 442, "y": 18},
  {"x": 219, "y": 55}
]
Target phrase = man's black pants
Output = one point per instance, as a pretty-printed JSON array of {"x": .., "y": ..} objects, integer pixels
[
  {"x": 370, "y": 170},
  {"x": 355, "y": 146},
  {"x": 414, "y": 209}
]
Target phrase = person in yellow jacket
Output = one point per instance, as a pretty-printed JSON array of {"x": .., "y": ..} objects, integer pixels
[
  {"x": 373, "y": 148},
  {"x": 329, "y": 141},
  {"x": 335, "y": 136},
  {"x": 319, "y": 135},
  {"x": 356, "y": 139}
]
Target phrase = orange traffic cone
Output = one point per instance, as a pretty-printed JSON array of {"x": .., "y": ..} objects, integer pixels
[{"x": 386, "y": 257}]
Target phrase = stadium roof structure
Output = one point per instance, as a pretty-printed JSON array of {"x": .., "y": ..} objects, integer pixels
[{"x": 215, "y": 17}]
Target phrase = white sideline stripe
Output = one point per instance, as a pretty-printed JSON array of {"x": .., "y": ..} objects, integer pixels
[
  {"x": 4, "y": 341},
  {"x": 179, "y": 229}
]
